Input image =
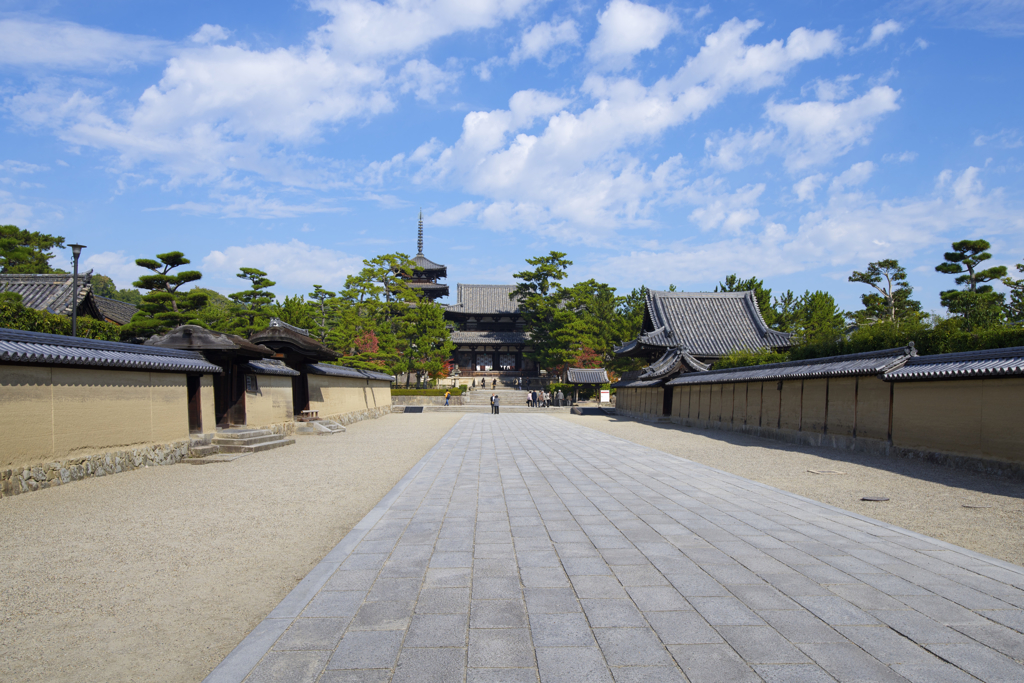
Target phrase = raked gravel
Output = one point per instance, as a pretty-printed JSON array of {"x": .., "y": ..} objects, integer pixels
[
  {"x": 923, "y": 497},
  {"x": 156, "y": 574}
]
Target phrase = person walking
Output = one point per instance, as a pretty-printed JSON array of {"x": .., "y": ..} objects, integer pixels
[
  {"x": 561, "y": 398},
  {"x": 494, "y": 383},
  {"x": 447, "y": 396},
  {"x": 497, "y": 404}
]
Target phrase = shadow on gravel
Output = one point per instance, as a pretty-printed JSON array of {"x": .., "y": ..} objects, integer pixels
[{"x": 908, "y": 467}]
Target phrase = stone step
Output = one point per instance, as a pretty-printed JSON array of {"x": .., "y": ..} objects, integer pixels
[
  {"x": 203, "y": 450},
  {"x": 242, "y": 433},
  {"x": 265, "y": 436},
  {"x": 256, "y": 448},
  {"x": 319, "y": 428}
]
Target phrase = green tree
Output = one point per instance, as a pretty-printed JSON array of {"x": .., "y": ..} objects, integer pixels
[
  {"x": 164, "y": 306},
  {"x": 23, "y": 251},
  {"x": 325, "y": 312},
  {"x": 892, "y": 302},
  {"x": 733, "y": 283},
  {"x": 542, "y": 298},
  {"x": 104, "y": 286},
  {"x": 251, "y": 305},
  {"x": 295, "y": 310},
  {"x": 820, "y": 319},
  {"x": 1015, "y": 306},
  {"x": 598, "y": 309},
  {"x": 427, "y": 342},
  {"x": 977, "y": 305}
]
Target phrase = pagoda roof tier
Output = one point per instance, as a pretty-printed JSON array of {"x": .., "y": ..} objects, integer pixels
[
  {"x": 428, "y": 267},
  {"x": 434, "y": 289}
]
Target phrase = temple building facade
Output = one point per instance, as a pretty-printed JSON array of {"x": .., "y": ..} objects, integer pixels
[{"x": 489, "y": 333}]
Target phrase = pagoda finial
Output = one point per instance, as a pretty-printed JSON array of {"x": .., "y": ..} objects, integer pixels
[{"x": 419, "y": 242}]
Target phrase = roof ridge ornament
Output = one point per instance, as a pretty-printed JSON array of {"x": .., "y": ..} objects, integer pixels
[{"x": 419, "y": 241}]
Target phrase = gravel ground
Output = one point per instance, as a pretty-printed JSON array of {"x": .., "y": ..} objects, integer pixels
[
  {"x": 156, "y": 574},
  {"x": 924, "y": 497}
]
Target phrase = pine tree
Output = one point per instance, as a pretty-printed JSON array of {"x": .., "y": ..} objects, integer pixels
[
  {"x": 23, "y": 251},
  {"x": 977, "y": 305},
  {"x": 892, "y": 303},
  {"x": 250, "y": 305},
  {"x": 733, "y": 283},
  {"x": 550, "y": 324},
  {"x": 164, "y": 307},
  {"x": 1015, "y": 306}
]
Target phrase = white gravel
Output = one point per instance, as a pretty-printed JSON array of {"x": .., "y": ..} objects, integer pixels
[
  {"x": 157, "y": 574},
  {"x": 923, "y": 497}
]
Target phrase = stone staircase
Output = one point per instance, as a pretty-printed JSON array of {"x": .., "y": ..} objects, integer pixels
[
  {"x": 319, "y": 428},
  {"x": 234, "y": 443},
  {"x": 479, "y": 401}
]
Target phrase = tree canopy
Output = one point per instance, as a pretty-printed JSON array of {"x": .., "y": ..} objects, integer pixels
[
  {"x": 892, "y": 301},
  {"x": 23, "y": 251}
]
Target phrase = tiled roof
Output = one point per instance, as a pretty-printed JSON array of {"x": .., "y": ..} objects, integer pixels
[
  {"x": 281, "y": 335},
  {"x": 485, "y": 300},
  {"x": 50, "y": 292},
  {"x": 672, "y": 362},
  {"x": 851, "y": 365},
  {"x": 705, "y": 324},
  {"x": 489, "y": 338},
  {"x": 631, "y": 380},
  {"x": 118, "y": 312},
  {"x": 276, "y": 322},
  {"x": 425, "y": 264},
  {"x": 431, "y": 288},
  {"x": 17, "y": 346},
  {"x": 967, "y": 365},
  {"x": 588, "y": 376},
  {"x": 196, "y": 338},
  {"x": 269, "y": 366},
  {"x": 341, "y": 371}
]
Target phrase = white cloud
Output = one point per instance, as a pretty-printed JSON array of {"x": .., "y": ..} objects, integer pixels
[
  {"x": 115, "y": 265},
  {"x": 850, "y": 230},
  {"x": 537, "y": 42},
  {"x": 295, "y": 266},
  {"x": 576, "y": 171},
  {"x": 856, "y": 175},
  {"x": 702, "y": 12},
  {"x": 881, "y": 31},
  {"x": 901, "y": 158},
  {"x": 21, "y": 167},
  {"x": 425, "y": 79},
  {"x": 1001, "y": 17},
  {"x": 210, "y": 33},
  {"x": 255, "y": 205},
  {"x": 62, "y": 44},
  {"x": 739, "y": 149},
  {"x": 455, "y": 215},
  {"x": 13, "y": 212},
  {"x": 1006, "y": 138},
  {"x": 806, "y": 188},
  {"x": 818, "y": 132},
  {"x": 360, "y": 29},
  {"x": 485, "y": 69},
  {"x": 730, "y": 213},
  {"x": 625, "y": 29}
]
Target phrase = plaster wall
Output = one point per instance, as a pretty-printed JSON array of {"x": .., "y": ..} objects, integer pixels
[
  {"x": 50, "y": 413},
  {"x": 739, "y": 415},
  {"x": 271, "y": 403},
  {"x": 814, "y": 405},
  {"x": 873, "y": 408},
  {"x": 790, "y": 405},
  {"x": 842, "y": 413},
  {"x": 705, "y": 402},
  {"x": 715, "y": 413},
  {"x": 771, "y": 398},
  {"x": 207, "y": 407}
]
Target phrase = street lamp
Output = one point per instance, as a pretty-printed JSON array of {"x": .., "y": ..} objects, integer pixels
[{"x": 76, "y": 251}]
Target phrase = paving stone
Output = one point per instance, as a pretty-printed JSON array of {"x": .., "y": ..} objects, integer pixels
[
  {"x": 658, "y": 599},
  {"x": 478, "y": 675},
  {"x": 384, "y": 615},
  {"x": 761, "y": 645},
  {"x": 334, "y": 604},
  {"x": 613, "y": 614},
  {"x": 367, "y": 650},
  {"x": 712, "y": 664},
  {"x": 498, "y": 614},
  {"x": 1005, "y": 640},
  {"x": 980, "y": 661},
  {"x": 793, "y": 673},
  {"x": 289, "y": 667},
  {"x": 561, "y": 630},
  {"x": 847, "y": 662},
  {"x": 395, "y": 589},
  {"x": 430, "y": 665},
  {"x": 602, "y": 587},
  {"x": 572, "y": 665},
  {"x": 648, "y": 674},
  {"x": 447, "y": 578},
  {"x": 721, "y": 611},
  {"x": 356, "y": 676},
  {"x": 437, "y": 630},
  {"x": 551, "y": 600},
  {"x": 500, "y": 647},
  {"x": 631, "y": 647},
  {"x": 312, "y": 634},
  {"x": 682, "y": 628}
]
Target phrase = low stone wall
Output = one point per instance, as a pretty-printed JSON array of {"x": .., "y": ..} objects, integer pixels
[
  {"x": 288, "y": 428},
  {"x": 426, "y": 400},
  {"x": 46, "y": 475}
]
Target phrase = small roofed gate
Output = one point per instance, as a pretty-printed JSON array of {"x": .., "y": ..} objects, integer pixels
[{"x": 666, "y": 400}]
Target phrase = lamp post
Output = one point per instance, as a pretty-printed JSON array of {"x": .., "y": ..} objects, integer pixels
[{"x": 76, "y": 251}]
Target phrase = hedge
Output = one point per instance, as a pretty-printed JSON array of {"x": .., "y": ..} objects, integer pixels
[{"x": 16, "y": 316}]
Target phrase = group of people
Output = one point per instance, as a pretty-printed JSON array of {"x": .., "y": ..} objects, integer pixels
[{"x": 545, "y": 399}]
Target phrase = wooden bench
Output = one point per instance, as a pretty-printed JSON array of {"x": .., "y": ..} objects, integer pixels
[{"x": 309, "y": 415}]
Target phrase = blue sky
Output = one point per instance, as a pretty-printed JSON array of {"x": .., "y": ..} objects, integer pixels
[{"x": 655, "y": 143}]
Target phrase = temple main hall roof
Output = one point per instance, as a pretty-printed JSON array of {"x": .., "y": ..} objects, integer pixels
[
  {"x": 485, "y": 300},
  {"x": 51, "y": 292},
  {"x": 704, "y": 324}
]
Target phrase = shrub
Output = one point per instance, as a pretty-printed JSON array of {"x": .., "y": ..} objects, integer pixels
[
  {"x": 456, "y": 391},
  {"x": 742, "y": 359},
  {"x": 15, "y": 316}
]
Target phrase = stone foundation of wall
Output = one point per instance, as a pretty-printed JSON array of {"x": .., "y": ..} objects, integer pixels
[
  {"x": 845, "y": 443},
  {"x": 46, "y": 475},
  {"x": 288, "y": 428},
  {"x": 426, "y": 400}
]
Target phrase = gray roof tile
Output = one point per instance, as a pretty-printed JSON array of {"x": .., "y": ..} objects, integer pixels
[
  {"x": 485, "y": 300},
  {"x": 17, "y": 346},
  {"x": 118, "y": 312},
  {"x": 269, "y": 366},
  {"x": 968, "y": 365},
  {"x": 342, "y": 371},
  {"x": 850, "y": 365},
  {"x": 489, "y": 338},
  {"x": 588, "y": 376},
  {"x": 50, "y": 292}
]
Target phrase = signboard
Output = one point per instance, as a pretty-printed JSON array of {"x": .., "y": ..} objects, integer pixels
[
  {"x": 606, "y": 396},
  {"x": 252, "y": 387}
]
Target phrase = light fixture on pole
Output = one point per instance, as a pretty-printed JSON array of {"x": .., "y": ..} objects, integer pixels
[{"x": 76, "y": 251}]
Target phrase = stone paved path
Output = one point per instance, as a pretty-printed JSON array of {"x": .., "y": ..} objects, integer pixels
[{"x": 526, "y": 549}]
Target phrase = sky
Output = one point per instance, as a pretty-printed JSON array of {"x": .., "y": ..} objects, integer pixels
[{"x": 655, "y": 144}]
